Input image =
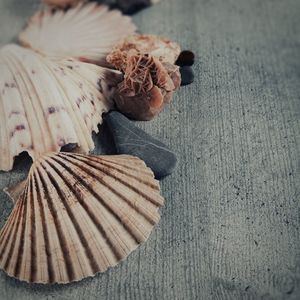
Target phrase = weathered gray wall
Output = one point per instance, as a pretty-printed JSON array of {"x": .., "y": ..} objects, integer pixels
[{"x": 230, "y": 226}]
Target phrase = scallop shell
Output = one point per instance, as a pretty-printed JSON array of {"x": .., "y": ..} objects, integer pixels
[
  {"x": 87, "y": 32},
  {"x": 14, "y": 191},
  {"x": 77, "y": 216},
  {"x": 45, "y": 104}
]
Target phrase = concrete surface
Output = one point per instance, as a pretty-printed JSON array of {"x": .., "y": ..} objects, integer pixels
[{"x": 230, "y": 226}]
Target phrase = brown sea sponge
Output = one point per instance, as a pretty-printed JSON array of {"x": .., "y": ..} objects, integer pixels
[
  {"x": 150, "y": 76},
  {"x": 160, "y": 47}
]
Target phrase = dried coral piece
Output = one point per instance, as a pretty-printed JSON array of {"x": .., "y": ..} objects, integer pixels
[
  {"x": 150, "y": 76},
  {"x": 147, "y": 87},
  {"x": 45, "y": 105},
  {"x": 162, "y": 48},
  {"x": 77, "y": 216},
  {"x": 86, "y": 32},
  {"x": 62, "y": 3}
]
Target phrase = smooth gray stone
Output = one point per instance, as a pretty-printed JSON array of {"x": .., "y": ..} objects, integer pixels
[
  {"x": 132, "y": 140},
  {"x": 132, "y": 6},
  {"x": 187, "y": 75}
]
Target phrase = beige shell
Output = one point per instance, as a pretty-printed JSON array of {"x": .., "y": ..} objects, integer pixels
[
  {"x": 45, "y": 105},
  {"x": 77, "y": 216},
  {"x": 86, "y": 32}
]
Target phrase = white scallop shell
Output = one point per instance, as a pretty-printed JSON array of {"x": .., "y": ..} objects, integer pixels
[
  {"x": 87, "y": 32},
  {"x": 77, "y": 216},
  {"x": 45, "y": 104}
]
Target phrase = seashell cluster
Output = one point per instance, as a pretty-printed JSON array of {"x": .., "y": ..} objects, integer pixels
[
  {"x": 47, "y": 104},
  {"x": 150, "y": 75},
  {"x": 85, "y": 32},
  {"x": 78, "y": 215}
]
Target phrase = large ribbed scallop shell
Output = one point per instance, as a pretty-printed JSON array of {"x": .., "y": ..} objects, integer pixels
[
  {"x": 87, "y": 32},
  {"x": 45, "y": 104},
  {"x": 77, "y": 216}
]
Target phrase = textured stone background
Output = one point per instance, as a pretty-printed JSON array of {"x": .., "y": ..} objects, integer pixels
[{"x": 230, "y": 226}]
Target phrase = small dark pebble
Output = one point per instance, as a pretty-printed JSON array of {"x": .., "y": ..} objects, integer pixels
[
  {"x": 69, "y": 147},
  {"x": 51, "y": 110},
  {"x": 187, "y": 75},
  {"x": 185, "y": 58},
  {"x": 130, "y": 7},
  {"x": 132, "y": 140}
]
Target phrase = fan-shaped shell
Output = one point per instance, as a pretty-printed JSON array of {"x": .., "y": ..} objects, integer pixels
[
  {"x": 87, "y": 32},
  {"x": 45, "y": 104},
  {"x": 77, "y": 216}
]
